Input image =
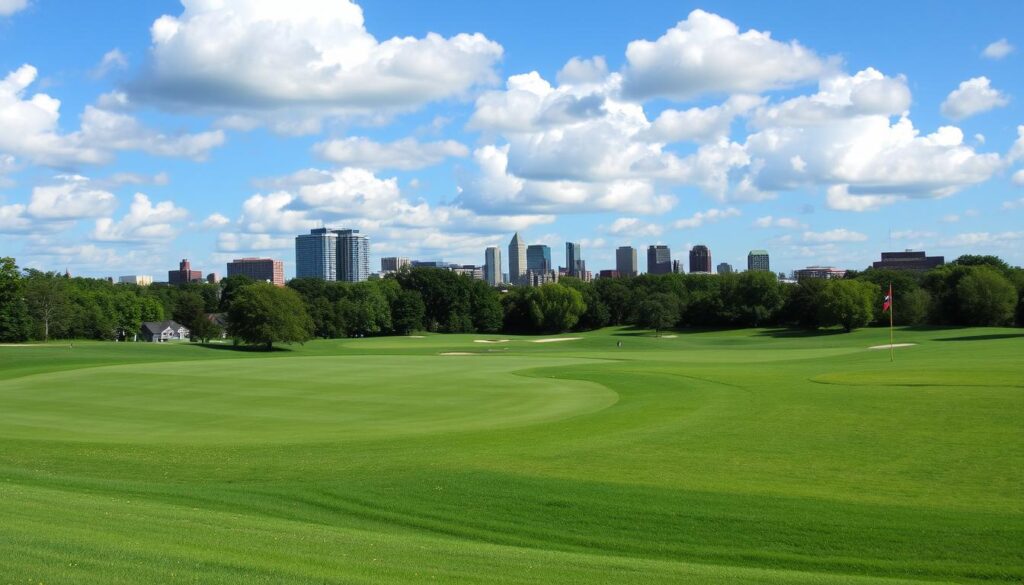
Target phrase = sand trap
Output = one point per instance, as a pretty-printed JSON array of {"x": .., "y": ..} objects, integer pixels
[
  {"x": 416, "y": 336},
  {"x": 491, "y": 340},
  {"x": 458, "y": 353},
  {"x": 668, "y": 336},
  {"x": 886, "y": 346},
  {"x": 554, "y": 339}
]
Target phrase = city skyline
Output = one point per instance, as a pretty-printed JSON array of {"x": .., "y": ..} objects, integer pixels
[{"x": 121, "y": 156}]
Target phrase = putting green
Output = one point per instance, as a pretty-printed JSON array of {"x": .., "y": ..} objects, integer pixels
[{"x": 292, "y": 400}]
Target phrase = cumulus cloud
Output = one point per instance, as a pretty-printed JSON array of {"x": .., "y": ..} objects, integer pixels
[
  {"x": 998, "y": 49},
  {"x": 701, "y": 124},
  {"x": 73, "y": 197},
  {"x": 974, "y": 96},
  {"x": 9, "y": 7},
  {"x": 710, "y": 216},
  {"x": 31, "y": 130},
  {"x": 834, "y": 236},
  {"x": 406, "y": 154},
  {"x": 1018, "y": 178},
  {"x": 258, "y": 55},
  {"x": 1001, "y": 239},
  {"x": 214, "y": 221},
  {"x": 579, "y": 71},
  {"x": 112, "y": 60},
  {"x": 144, "y": 222},
  {"x": 634, "y": 227},
  {"x": 13, "y": 219},
  {"x": 708, "y": 54},
  {"x": 769, "y": 221}
]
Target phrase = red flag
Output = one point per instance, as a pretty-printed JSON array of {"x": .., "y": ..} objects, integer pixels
[{"x": 888, "y": 300}]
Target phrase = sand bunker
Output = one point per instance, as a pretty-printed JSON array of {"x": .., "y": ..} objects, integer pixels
[
  {"x": 668, "y": 336},
  {"x": 416, "y": 336},
  {"x": 491, "y": 340},
  {"x": 886, "y": 346},
  {"x": 554, "y": 339},
  {"x": 458, "y": 353}
]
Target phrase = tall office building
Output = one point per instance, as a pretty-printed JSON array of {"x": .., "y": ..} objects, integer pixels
[
  {"x": 625, "y": 261},
  {"x": 184, "y": 274},
  {"x": 700, "y": 259},
  {"x": 516, "y": 260},
  {"x": 574, "y": 264},
  {"x": 725, "y": 268},
  {"x": 909, "y": 260},
  {"x": 353, "y": 256},
  {"x": 538, "y": 257},
  {"x": 677, "y": 267},
  {"x": 393, "y": 263},
  {"x": 258, "y": 269},
  {"x": 758, "y": 260},
  {"x": 492, "y": 266},
  {"x": 659, "y": 260},
  {"x": 316, "y": 255}
]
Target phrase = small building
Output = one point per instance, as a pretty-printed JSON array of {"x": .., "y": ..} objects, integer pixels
[
  {"x": 160, "y": 331},
  {"x": 608, "y": 274},
  {"x": 826, "y": 272},
  {"x": 136, "y": 279},
  {"x": 909, "y": 260}
]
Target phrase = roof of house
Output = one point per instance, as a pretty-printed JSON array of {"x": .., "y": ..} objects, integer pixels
[{"x": 158, "y": 327}]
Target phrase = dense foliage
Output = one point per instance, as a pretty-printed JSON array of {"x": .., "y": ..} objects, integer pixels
[{"x": 972, "y": 290}]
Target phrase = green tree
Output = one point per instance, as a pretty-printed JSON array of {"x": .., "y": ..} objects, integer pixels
[
  {"x": 803, "y": 302},
  {"x": 265, "y": 314},
  {"x": 849, "y": 303},
  {"x": 986, "y": 297},
  {"x": 758, "y": 297},
  {"x": 190, "y": 311},
  {"x": 659, "y": 311},
  {"x": 47, "y": 298},
  {"x": 229, "y": 286},
  {"x": 14, "y": 318},
  {"x": 407, "y": 312},
  {"x": 561, "y": 307}
]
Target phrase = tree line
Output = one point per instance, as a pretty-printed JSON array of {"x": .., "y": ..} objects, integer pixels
[{"x": 972, "y": 290}]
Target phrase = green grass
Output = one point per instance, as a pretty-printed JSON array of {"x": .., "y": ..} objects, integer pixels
[{"x": 754, "y": 456}]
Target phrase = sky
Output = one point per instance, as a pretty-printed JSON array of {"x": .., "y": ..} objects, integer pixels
[{"x": 135, "y": 134}]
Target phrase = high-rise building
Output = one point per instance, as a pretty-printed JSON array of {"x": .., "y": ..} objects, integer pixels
[
  {"x": 909, "y": 260},
  {"x": 659, "y": 260},
  {"x": 574, "y": 264},
  {"x": 492, "y": 266},
  {"x": 758, "y": 260},
  {"x": 316, "y": 255},
  {"x": 538, "y": 257},
  {"x": 258, "y": 269},
  {"x": 137, "y": 279},
  {"x": 725, "y": 268},
  {"x": 700, "y": 259},
  {"x": 516, "y": 260},
  {"x": 353, "y": 256},
  {"x": 184, "y": 274},
  {"x": 677, "y": 267},
  {"x": 393, "y": 263},
  {"x": 213, "y": 278},
  {"x": 625, "y": 261}
]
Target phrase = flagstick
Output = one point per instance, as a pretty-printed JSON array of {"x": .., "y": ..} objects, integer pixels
[{"x": 892, "y": 306}]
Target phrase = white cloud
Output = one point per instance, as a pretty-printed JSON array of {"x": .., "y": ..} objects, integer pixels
[
  {"x": 144, "y": 222},
  {"x": 833, "y": 236},
  {"x": 710, "y": 216},
  {"x": 974, "y": 96},
  {"x": 840, "y": 96},
  {"x": 998, "y": 49},
  {"x": 985, "y": 238},
  {"x": 912, "y": 235},
  {"x": 234, "y": 242},
  {"x": 73, "y": 198},
  {"x": 838, "y": 197},
  {"x": 580, "y": 71},
  {"x": 405, "y": 154},
  {"x": 311, "y": 55},
  {"x": 769, "y": 221},
  {"x": 1018, "y": 178},
  {"x": 1017, "y": 150},
  {"x": 122, "y": 132},
  {"x": 708, "y": 54},
  {"x": 634, "y": 227},
  {"x": 112, "y": 60},
  {"x": 701, "y": 124},
  {"x": 214, "y": 221},
  {"x": 13, "y": 219},
  {"x": 9, "y": 7}
]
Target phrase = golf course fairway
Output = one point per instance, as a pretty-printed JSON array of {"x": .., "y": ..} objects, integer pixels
[{"x": 749, "y": 456}]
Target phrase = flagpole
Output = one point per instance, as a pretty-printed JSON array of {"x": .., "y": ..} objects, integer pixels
[{"x": 892, "y": 306}]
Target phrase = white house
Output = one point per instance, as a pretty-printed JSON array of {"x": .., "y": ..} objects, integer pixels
[{"x": 160, "y": 331}]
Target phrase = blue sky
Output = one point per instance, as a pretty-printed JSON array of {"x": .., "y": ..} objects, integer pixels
[{"x": 133, "y": 134}]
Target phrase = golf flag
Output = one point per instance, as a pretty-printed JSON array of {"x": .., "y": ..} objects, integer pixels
[{"x": 888, "y": 300}]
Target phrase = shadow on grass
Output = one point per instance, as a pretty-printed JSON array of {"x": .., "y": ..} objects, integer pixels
[
  {"x": 243, "y": 348},
  {"x": 799, "y": 333},
  {"x": 988, "y": 337}
]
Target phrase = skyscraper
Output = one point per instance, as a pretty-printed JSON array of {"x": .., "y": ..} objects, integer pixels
[
  {"x": 316, "y": 255},
  {"x": 538, "y": 257},
  {"x": 725, "y": 268},
  {"x": 758, "y": 260},
  {"x": 492, "y": 265},
  {"x": 659, "y": 260},
  {"x": 574, "y": 264},
  {"x": 353, "y": 256},
  {"x": 258, "y": 269},
  {"x": 516, "y": 260},
  {"x": 625, "y": 261},
  {"x": 700, "y": 259}
]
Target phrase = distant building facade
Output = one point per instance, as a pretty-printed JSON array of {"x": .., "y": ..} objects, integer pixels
[
  {"x": 909, "y": 260},
  {"x": 492, "y": 266},
  {"x": 213, "y": 278},
  {"x": 659, "y": 260},
  {"x": 625, "y": 261},
  {"x": 136, "y": 279},
  {"x": 540, "y": 277},
  {"x": 394, "y": 263},
  {"x": 258, "y": 269},
  {"x": 316, "y": 255},
  {"x": 574, "y": 264},
  {"x": 700, "y": 259},
  {"x": 677, "y": 267},
  {"x": 725, "y": 268},
  {"x": 608, "y": 274},
  {"x": 474, "y": 272},
  {"x": 160, "y": 331},
  {"x": 538, "y": 258},
  {"x": 818, "y": 272},
  {"x": 184, "y": 274},
  {"x": 516, "y": 260},
  {"x": 353, "y": 256},
  {"x": 758, "y": 260}
]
